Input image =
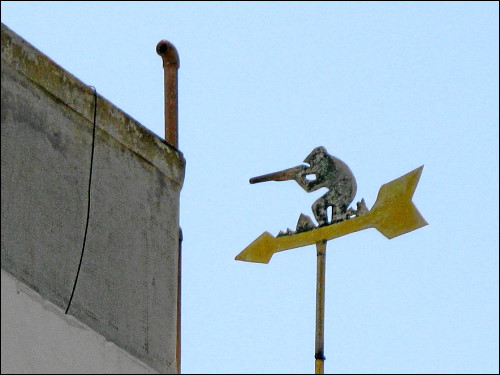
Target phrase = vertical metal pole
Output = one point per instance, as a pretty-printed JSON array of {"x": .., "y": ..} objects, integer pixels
[
  {"x": 320, "y": 308},
  {"x": 171, "y": 64}
]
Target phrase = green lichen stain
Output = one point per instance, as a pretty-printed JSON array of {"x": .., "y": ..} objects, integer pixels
[{"x": 74, "y": 94}]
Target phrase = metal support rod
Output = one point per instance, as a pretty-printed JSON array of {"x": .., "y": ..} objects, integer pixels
[
  {"x": 171, "y": 65},
  {"x": 320, "y": 308}
]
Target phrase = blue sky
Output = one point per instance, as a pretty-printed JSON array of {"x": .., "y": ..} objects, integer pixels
[{"x": 384, "y": 86}]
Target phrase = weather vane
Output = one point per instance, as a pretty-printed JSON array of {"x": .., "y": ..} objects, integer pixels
[{"x": 393, "y": 214}]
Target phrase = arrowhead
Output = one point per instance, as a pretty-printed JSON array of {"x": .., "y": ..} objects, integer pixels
[
  {"x": 259, "y": 251},
  {"x": 394, "y": 213}
]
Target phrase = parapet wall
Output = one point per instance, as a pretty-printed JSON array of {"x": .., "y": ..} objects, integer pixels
[{"x": 127, "y": 288}]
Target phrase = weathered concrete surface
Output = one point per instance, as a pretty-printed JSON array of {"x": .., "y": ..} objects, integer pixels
[
  {"x": 38, "y": 332},
  {"x": 127, "y": 288}
]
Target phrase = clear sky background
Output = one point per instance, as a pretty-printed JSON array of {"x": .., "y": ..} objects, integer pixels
[{"x": 384, "y": 86}]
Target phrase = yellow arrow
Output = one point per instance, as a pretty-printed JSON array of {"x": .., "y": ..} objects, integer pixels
[{"x": 393, "y": 214}]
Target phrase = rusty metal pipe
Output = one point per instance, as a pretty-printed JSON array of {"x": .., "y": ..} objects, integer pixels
[
  {"x": 320, "y": 308},
  {"x": 171, "y": 64}
]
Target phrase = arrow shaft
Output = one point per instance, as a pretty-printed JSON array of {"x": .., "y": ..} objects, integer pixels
[{"x": 324, "y": 233}]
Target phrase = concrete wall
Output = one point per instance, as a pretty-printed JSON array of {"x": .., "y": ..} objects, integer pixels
[{"x": 128, "y": 285}]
